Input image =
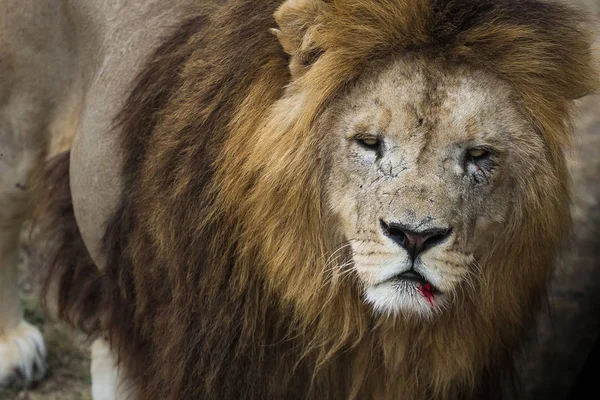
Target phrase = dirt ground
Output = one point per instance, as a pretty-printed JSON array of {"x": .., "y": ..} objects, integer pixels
[
  {"x": 549, "y": 367},
  {"x": 68, "y": 350}
]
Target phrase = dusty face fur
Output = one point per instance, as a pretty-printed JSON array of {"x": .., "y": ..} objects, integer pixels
[
  {"x": 273, "y": 196},
  {"x": 423, "y": 167}
]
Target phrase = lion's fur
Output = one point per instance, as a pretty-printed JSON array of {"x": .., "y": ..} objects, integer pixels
[
  {"x": 214, "y": 283},
  {"x": 71, "y": 276}
]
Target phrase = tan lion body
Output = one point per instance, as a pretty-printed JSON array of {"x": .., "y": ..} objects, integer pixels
[
  {"x": 56, "y": 56},
  {"x": 248, "y": 191}
]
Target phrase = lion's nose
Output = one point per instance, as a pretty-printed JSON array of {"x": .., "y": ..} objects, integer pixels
[{"x": 415, "y": 242}]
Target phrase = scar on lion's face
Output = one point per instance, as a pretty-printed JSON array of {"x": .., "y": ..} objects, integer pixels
[{"x": 435, "y": 146}]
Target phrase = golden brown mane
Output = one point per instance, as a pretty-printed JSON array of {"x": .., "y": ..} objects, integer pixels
[{"x": 215, "y": 285}]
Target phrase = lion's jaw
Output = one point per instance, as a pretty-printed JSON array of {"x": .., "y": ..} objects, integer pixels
[{"x": 433, "y": 190}]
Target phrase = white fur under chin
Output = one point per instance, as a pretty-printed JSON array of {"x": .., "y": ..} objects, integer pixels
[
  {"x": 108, "y": 382},
  {"x": 22, "y": 355},
  {"x": 403, "y": 298}
]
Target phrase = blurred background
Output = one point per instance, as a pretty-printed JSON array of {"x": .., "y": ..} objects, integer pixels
[
  {"x": 566, "y": 336},
  {"x": 552, "y": 362}
]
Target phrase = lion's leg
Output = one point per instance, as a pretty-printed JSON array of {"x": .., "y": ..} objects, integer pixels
[
  {"x": 38, "y": 72},
  {"x": 22, "y": 350},
  {"x": 108, "y": 382}
]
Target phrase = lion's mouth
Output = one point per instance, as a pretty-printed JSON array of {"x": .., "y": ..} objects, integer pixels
[{"x": 424, "y": 286}]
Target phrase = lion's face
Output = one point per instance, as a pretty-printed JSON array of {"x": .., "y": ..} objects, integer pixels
[{"x": 423, "y": 161}]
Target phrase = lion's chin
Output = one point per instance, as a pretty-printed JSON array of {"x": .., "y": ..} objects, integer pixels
[{"x": 406, "y": 298}]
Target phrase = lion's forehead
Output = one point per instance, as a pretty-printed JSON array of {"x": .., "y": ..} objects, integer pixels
[{"x": 454, "y": 104}]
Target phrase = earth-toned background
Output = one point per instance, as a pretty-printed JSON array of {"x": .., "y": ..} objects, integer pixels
[{"x": 551, "y": 365}]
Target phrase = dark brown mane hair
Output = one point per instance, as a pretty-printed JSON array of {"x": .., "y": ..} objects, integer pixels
[{"x": 214, "y": 285}]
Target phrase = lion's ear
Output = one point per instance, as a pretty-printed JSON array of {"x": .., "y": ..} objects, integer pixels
[{"x": 298, "y": 20}]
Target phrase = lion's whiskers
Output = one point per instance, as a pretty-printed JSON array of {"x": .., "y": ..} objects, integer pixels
[{"x": 333, "y": 270}]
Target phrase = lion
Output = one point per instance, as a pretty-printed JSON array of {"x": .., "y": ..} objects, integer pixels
[{"x": 314, "y": 199}]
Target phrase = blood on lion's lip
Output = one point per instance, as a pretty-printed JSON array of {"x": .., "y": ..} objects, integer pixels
[{"x": 427, "y": 292}]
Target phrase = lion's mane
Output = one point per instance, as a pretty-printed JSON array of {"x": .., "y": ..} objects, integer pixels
[{"x": 214, "y": 285}]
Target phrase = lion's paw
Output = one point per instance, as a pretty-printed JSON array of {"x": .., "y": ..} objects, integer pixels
[{"x": 22, "y": 356}]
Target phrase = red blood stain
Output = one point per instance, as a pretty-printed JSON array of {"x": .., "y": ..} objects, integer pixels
[{"x": 427, "y": 292}]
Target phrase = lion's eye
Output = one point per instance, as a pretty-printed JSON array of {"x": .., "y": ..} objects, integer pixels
[
  {"x": 368, "y": 141},
  {"x": 477, "y": 154}
]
